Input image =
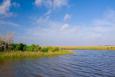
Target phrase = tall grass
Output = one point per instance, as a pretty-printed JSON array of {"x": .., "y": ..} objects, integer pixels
[
  {"x": 26, "y": 54},
  {"x": 88, "y": 47}
]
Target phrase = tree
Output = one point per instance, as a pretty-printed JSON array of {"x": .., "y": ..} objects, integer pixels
[
  {"x": 6, "y": 41},
  {"x": 22, "y": 46},
  {"x": 19, "y": 47},
  {"x": 44, "y": 49},
  {"x": 33, "y": 47}
]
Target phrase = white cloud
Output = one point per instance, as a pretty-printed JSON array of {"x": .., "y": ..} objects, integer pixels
[
  {"x": 105, "y": 23},
  {"x": 5, "y": 7},
  {"x": 42, "y": 20},
  {"x": 108, "y": 19},
  {"x": 67, "y": 17},
  {"x": 49, "y": 30},
  {"x": 60, "y": 3},
  {"x": 38, "y": 2},
  {"x": 110, "y": 14},
  {"x": 52, "y": 4},
  {"x": 98, "y": 32},
  {"x": 64, "y": 27}
]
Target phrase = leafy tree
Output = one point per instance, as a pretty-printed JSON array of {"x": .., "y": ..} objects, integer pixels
[
  {"x": 33, "y": 47},
  {"x": 16, "y": 47},
  {"x": 19, "y": 47}
]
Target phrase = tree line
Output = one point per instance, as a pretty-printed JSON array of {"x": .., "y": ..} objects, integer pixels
[{"x": 6, "y": 44}]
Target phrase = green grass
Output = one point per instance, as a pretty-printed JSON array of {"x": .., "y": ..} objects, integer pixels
[
  {"x": 26, "y": 54},
  {"x": 88, "y": 47}
]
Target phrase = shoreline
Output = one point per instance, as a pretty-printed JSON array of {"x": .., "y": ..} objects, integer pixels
[
  {"x": 87, "y": 47},
  {"x": 26, "y": 54}
]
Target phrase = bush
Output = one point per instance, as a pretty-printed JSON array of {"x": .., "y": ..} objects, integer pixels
[
  {"x": 44, "y": 49},
  {"x": 33, "y": 47},
  {"x": 53, "y": 49},
  {"x": 19, "y": 47},
  {"x": 56, "y": 49}
]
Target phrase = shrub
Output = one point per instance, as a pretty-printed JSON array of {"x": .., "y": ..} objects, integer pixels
[
  {"x": 33, "y": 47},
  {"x": 19, "y": 47},
  {"x": 44, "y": 49},
  {"x": 53, "y": 49}
]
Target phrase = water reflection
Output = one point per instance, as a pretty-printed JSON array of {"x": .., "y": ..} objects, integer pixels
[{"x": 6, "y": 69}]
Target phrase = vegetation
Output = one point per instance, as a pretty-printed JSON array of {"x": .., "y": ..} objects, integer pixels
[
  {"x": 88, "y": 47},
  {"x": 26, "y": 54},
  {"x": 11, "y": 50}
]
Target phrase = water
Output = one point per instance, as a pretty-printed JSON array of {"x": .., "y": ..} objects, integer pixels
[{"x": 84, "y": 63}]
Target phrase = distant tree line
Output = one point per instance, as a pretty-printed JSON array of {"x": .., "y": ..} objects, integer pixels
[
  {"x": 24, "y": 47},
  {"x": 6, "y": 44}
]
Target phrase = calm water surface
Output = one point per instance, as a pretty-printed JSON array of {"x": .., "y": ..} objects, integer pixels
[{"x": 84, "y": 63}]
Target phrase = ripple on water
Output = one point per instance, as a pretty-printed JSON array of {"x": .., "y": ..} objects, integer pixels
[{"x": 83, "y": 63}]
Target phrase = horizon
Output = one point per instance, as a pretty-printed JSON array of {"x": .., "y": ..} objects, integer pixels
[{"x": 59, "y": 22}]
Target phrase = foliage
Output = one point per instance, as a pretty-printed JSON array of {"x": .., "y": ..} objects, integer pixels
[
  {"x": 33, "y": 47},
  {"x": 30, "y": 48},
  {"x": 6, "y": 44},
  {"x": 23, "y": 55},
  {"x": 53, "y": 49},
  {"x": 18, "y": 47},
  {"x": 44, "y": 49}
]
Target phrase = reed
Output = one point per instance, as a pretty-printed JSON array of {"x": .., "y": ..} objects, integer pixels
[
  {"x": 26, "y": 54},
  {"x": 87, "y": 47}
]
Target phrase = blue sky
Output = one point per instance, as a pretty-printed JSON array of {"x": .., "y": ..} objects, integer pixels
[{"x": 59, "y": 22}]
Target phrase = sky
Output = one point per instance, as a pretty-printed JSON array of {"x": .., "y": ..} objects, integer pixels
[{"x": 59, "y": 22}]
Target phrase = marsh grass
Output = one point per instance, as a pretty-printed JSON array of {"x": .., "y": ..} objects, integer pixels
[
  {"x": 26, "y": 54},
  {"x": 88, "y": 47}
]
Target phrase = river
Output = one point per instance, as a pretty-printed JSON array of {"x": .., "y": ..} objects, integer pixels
[{"x": 83, "y": 63}]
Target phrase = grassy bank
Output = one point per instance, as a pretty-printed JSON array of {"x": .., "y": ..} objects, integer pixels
[
  {"x": 88, "y": 47},
  {"x": 26, "y": 54}
]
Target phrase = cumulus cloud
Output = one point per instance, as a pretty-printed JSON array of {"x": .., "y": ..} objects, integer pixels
[
  {"x": 43, "y": 20},
  {"x": 55, "y": 34},
  {"x": 51, "y": 3},
  {"x": 105, "y": 23},
  {"x": 59, "y": 3},
  {"x": 38, "y": 2},
  {"x": 97, "y": 32},
  {"x": 5, "y": 7},
  {"x": 67, "y": 17},
  {"x": 64, "y": 27},
  {"x": 47, "y": 30},
  {"x": 103, "y": 29}
]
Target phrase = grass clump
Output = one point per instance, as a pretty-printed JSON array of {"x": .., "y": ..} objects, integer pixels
[
  {"x": 88, "y": 47},
  {"x": 26, "y": 54}
]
